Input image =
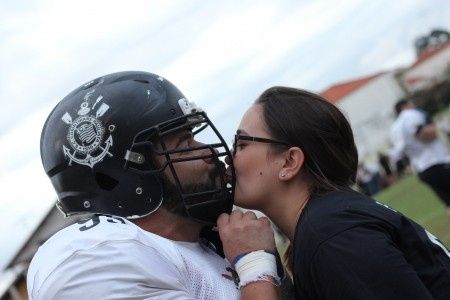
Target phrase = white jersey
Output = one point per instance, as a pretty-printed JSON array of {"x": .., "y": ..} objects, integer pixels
[
  {"x": 112, "y": 258},
  {"x": 422, "y": 154}
]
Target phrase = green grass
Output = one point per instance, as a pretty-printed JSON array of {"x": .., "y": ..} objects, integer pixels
[{"x": 417, "y": 201}]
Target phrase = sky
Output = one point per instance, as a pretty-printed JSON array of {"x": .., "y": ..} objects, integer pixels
[{"x": 221, "y": 54}]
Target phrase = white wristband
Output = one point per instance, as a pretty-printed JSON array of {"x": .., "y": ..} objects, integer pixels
[{"x": 257, "y": 266}]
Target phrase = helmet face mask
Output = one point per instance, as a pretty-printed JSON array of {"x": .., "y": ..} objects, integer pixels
[
  {"x": 203, "y": 204},
  {"x": 103, "y": 160}
]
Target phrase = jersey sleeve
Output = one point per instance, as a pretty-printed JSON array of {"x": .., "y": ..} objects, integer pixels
[
  {"x": 413, "y": 122},
  {"x": 363, "y": 263},
  {"x": 115, "y": 270}
]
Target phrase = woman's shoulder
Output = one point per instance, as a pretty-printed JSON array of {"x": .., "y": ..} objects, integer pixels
[
  {"x": 328, "y": 214},
  {"x": 336, "y": 203}
]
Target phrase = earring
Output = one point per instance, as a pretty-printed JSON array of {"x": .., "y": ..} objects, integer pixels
[{"x": 283, "y": 174}]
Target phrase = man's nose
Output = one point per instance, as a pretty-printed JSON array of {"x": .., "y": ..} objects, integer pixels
[{"x": 210, "y": 151}]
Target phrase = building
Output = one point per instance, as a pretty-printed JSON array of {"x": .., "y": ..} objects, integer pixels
[
  {"x": 368, "y": 101},
  {"x": 368, "y": 104},
  {"x": 13, "y": 278},
  {"x": 432, "y": 67}
]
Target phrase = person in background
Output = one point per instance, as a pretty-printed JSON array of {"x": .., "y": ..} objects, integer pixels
[
  {"x": 368, "y": 179},
  {"x": 388, "y": 177},
  {"x": 414, "y": 135}
]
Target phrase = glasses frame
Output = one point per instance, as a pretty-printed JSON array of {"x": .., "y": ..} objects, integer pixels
[{"x": 255, "y": 139}]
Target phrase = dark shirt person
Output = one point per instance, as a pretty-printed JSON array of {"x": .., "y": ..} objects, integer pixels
[{"x": 295, "y": 160}]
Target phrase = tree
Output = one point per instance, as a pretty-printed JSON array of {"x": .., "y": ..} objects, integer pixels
[{"x": 435, "y": 38}]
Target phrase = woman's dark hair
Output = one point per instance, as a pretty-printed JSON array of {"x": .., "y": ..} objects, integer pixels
[{"x": 319, "y": 128}]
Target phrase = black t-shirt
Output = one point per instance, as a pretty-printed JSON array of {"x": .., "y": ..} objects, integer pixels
[{"x": 348, "y": 246}]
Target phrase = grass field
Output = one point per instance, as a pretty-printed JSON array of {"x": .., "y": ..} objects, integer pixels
[{"x": 415, "y": 200}]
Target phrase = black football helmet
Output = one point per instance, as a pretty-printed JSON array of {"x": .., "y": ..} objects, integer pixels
[{"x": 97, "y": 146}]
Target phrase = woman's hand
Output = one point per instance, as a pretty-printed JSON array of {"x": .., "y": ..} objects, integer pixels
[{"x": 244, "y": 232}]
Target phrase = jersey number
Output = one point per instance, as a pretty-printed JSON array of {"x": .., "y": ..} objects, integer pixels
[{"x": 95, "y": 220}]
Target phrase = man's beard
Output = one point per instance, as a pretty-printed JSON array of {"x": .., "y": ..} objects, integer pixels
[{"x": 173, "y": 199}]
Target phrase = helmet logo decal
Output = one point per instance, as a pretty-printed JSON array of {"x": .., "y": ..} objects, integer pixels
[{"x": 85, "y": 134}]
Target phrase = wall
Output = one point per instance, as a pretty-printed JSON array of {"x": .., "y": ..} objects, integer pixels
[
  {"x": 428, "y": 72},
  {"x": 370, "y": 112}
]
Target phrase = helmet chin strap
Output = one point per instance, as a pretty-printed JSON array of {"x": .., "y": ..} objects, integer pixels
[{"x": 207, "y": 207}]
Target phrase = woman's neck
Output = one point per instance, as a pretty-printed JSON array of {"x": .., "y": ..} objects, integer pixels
[{"x": 287, "y": 204}]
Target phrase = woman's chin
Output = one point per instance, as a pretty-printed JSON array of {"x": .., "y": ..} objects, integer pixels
[
  {"x": 244, "y": 203},
  {"x": 238, "y": 201}
]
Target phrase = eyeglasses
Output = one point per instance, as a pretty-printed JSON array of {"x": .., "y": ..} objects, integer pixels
[{"x": 255, "y": 139}]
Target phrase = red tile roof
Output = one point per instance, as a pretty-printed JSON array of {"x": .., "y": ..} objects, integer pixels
[
  {"x": 427, "y": 54},
  {"x": 339, "y": 91}
]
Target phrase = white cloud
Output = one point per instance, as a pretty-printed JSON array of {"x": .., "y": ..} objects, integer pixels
[
  {"x": 231, "y": 39},
  {"x": 26, "y": 196},
  {"x": 395, "y": 47},
  {"x": 44, "y": 46},
  {"x": 21, "y": 144},
  {"x": 293, "y": 30}
]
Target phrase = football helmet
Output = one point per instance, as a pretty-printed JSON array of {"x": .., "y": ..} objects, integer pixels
[{"x": 97, "y": 146}]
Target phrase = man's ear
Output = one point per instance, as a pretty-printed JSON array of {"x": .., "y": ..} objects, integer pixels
[{"x": 293, "y": 163}]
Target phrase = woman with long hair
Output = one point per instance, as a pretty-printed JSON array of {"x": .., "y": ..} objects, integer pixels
[{"x": 295, "y": 160}]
